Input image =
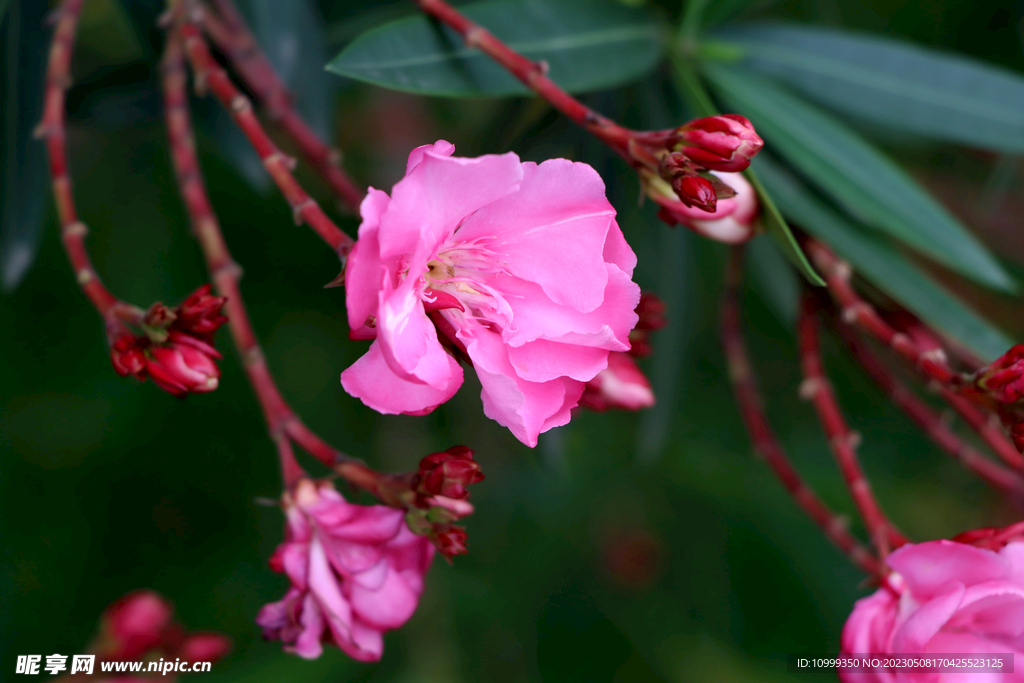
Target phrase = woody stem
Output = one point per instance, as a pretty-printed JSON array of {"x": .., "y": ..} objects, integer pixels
[
  {"x": 210, "y": 75},
  {"x": 762, "y": 437},
  {"x": 283, "y": 424},
  {"x": 73, "y": 231},
  {"x": 532, "y": 74},
  {"x": 843, "y": 442},
  {"x": 233, "y": 38}
]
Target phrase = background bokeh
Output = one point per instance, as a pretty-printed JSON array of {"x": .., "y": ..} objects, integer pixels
[{"x": 625, "y": 547}]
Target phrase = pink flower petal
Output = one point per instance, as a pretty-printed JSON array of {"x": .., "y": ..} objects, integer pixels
[
  {"x": 552, "y": 232},
  {"x": 364, "y": 268},
  {"x": 371, "y": 380},
  {"x": 928, "y": 567},
  {"x": 921, "y": 625},
  {"x": 386, "y": 606},
  {"x": 408, "y": 340},
  {"x": 542, "y": 361}
]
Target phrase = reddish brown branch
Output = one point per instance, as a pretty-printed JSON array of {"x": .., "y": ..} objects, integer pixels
[
  {"x": 209, "y": 75},
  {"x": 52, "y": 129},
  {"x": 857, "y": 311},
  {"x": 763, "y": 439},
  {"x": 930, "y": 421},
  {"x": 532, "y": 74},
  {"x": 284, "y": 426},
  {"x": 842, "y": 440},
  {"x": 232, "y": 37}
]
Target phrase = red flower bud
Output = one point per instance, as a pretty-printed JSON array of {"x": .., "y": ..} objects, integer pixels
[
  {"x": 1003, "y": 380},
  {"x": 204, "y": 647},
  {"x": 184, "y": 364},
  {"x": 128, "y": 357},
  {"x": 622, "y": 385},
  {"x": 695, "y": 191},
  {"x": 450, "y": 540},
  {"x": 199, "y": 314},
  {"x": 719, "y": 143},
  {"x": 651, "y": 311},
  {"x": 992, "y": 538},
  {"x": 135, "y": 624},
  {"x": 448, "y": 473}
]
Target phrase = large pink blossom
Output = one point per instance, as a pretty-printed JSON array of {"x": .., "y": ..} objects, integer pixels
[
  {"x": 945, "y": 597},
  {"x": 356, "y": 572},
  {"x": 519, "y": 267}
]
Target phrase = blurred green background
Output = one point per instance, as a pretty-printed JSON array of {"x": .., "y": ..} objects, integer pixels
[{"x": 625, "y": 547}]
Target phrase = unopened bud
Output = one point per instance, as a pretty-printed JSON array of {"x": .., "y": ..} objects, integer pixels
[
  {"x": 651, "y": 313},
  {"x": 622, "y": 385},
  {"x": 1003, "y": 380},
  {"x": 185, "y": 364},
  {"x": 726, "y": 142},
  {"x": 450, "y": 540},
  {"x": 128, "y": 356},
  {"x": 448, "y": 473},
  {"x": 134, "y": 624},
  {"x": 199, "y": 314},
  {"x": 695, "y": 191}
]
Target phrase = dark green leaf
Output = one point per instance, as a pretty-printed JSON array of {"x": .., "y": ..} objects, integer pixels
[
  {"x": 892, "y": 83},
  {"x": 883, "y": 265},
  {"x": 774, "y": 279},
  {"x": 587, "y": 46},
  {"x": 3, "y": 8},
  {"x": 867, "y": 183},
  {"x": 23, "y": 179}
]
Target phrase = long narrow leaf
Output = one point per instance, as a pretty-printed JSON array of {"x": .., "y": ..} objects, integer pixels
[
  {"x": 891, "y": 83},
  {"x": 857, "y": 175},
  {"x": 587, "y": 46},
  {"x": 884, "y": 266}
]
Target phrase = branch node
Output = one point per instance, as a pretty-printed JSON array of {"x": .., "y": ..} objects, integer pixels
[
  {"x": 810, "y": 387},
  {"x": 76, "y": 229}
]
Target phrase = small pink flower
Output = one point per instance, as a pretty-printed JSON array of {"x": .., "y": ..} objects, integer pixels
[
  {"x": 621, "y": 385},
  {"x": 944, "y": 597},
  {"x": 356, "y": 572},
  {"x": 731, "y": 222},
  {"x": 184, "y": 364},
  {"x": 516, "y": 267}
]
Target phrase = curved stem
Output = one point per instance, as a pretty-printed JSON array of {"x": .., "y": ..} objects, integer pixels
[
  {"x": 232, "y": 37},
  {"x": 841, "y": 439},
  {"x": 282, "y": 423},
  {"x": 763, "y": 439},
  {"x": 532, "y": 74},
  {"x": 73, "y": 231},
  {"x": 210, "y": 75},
  {"x": 931, "y": 422}
]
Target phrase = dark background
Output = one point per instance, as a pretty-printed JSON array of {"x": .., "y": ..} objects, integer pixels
[{"x": 625, "y": 547}]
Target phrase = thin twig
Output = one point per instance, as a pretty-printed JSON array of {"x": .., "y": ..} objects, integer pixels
[
  {"x": 930, "y": 421},
  {"x": 72, "y": 230},
  {"x": 282, "y": 423},
  {"x": 210, "y": 76},
  {"x": 843, "y": 442},
  {"x": 763, "y": 439},
  {"x": 532, "y": 74},
  {"x": 232, "y": 37},
  {"x": 856, "y": 311}
]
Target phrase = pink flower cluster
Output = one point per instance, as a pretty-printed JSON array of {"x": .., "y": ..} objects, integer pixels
[
  {"x": 355, "y": 572},
  {"x": 518, "y": 268},
  {"x": 944, "y": 597}
]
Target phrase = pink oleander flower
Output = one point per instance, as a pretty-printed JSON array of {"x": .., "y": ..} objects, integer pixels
[
  {"x": 519, "y": 268},
  {"x": 731, "y": 222},
  {"x": 356, "y": 571},
  {"x": 944, "y": 597},
  {"x": 622, "y": 385}
]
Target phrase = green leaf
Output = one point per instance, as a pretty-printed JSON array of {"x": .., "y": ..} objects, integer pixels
[
  {"x": 774, "y": 279},
  {"x": 3, "y": 8},
  {"x": 693, "y": 92},
  {"x": 587, "y": 46},
  {"x": 23, "y": 178},
  {"x": 858, "y": 176},
  {"x": 883, "y": 265},
  {"x": 891, "y": 83}
]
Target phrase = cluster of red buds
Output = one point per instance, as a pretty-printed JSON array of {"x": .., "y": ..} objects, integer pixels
[
  {"x": 175, "y": 348},
  {"x": 623, "y": 385},
  {"x": 139, "y": 626},
  {"x": 441, "y": 498},
  {"x": 1001, "y": 385},
  {"x": 682, "y": 159},
  {"x": 992, "y": 537}
]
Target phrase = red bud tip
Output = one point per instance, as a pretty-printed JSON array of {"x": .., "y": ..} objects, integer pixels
[
  {"x": 719, "y": 143},
  {"x": 450, "y": 540},
  {"x": 1003, "y": 380},
  {"x": 448, "y": 473},
  {"x": 696, "y": 192},
  {"x": 199, "y": 314},
  {"x": 185, "y": 364},
  {"x": 128, "y": 356}
]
